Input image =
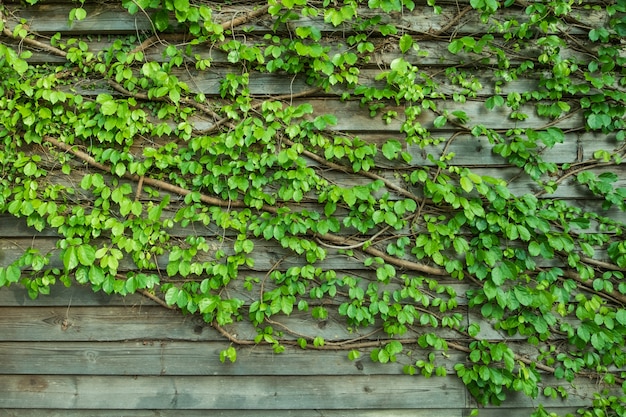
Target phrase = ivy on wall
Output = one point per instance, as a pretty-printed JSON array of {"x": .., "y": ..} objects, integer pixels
[{"x": 259, "y": 171}]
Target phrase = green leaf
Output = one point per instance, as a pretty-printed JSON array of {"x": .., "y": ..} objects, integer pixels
[
  {"x": 70, "y": 258},
  {"x": 161, "y": 20},
  {"x": 455, "y": 46},
  {"x": 551, "y": 136},
  {"x": 13, "y": 273},
  {"x": 30, "y": 169},
  {"x": 354, "y": 355},
  {"x": 494, "y": 101},
  {"x": 473, "y": 329},
  {"x": 80, "y": 13},
  {"x": 523, "y": 295},
  {"x": 86, "y": 255},
  {"x": 349, "y": 197},
  {"x": 466, "y": 184},
  {"x": 391, "y": 149},
  {"x": 171, "y": 295},
  {"x": 440, "y": 121},
  {"x": 534, "y": 248},
  {"x": 498, "y": 276},
  {"x": 108, "y": 107},
  {"x": 405, "y": 43},
  {"x": 181, "y": 5},
  {"x": 230, "y": 353}
]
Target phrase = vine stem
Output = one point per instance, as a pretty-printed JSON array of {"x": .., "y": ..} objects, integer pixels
[
  {"x": 615, "y": 296},
  {"x": 356, "y": 245},
  {"x": 32, "y": 42},
  {"x": 517, "y": 357},
  {"x": 402, "y": 263},
  {"x": 156, "y": 299}
]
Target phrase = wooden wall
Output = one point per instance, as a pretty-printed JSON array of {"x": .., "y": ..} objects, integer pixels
[{"x": 76, "y": 353}]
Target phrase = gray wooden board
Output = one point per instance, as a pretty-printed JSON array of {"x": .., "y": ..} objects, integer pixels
[
  {"x": 82, "y": 295},
  {"x": 263, "y": 85},
  {"x": 225, "y": 392},
  {"x": 432, "y": 53},
  {"x": 257, "y": 392},
  {"x": 76, "y": 295},
  {"x": 266, "y": 256},
  {"x": 193, "y": 358},
  {"x": 505, "y": 411},
  {"x": 101, "y": 324},
  {"x": 317, "y": 412},
  {"x": 111, "y": 18},
  {"x": 353, "y": 117},
  {"x": 16, "y": 228},
  {"x": 106, "y": 324},
  {"x": 471, "y": 151}
]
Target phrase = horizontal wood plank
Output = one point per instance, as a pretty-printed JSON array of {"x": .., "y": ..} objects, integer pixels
[
  {"x": 264, "y": 85},
  {"x": 317, "y": 412},
  {"x": 445, "y": 412},
  {"x": 193, "y": 358},
  {"x": 257, "y": 392},
  {"x": 106, "y": 18},
  {"x": 75, "y": 296},
  {"x": 224, "y": 392},
  {"x": 140, "y": 323},
  {"x": 78, "y": 295}
]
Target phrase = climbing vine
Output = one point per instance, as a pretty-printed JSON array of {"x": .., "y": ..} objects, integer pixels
[{"x": 118, "y": 150}]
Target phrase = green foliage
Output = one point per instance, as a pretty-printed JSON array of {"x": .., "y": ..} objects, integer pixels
[{"x": 259, "y": 174}]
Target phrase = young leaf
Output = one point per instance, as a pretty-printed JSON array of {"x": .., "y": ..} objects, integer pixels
[{"x": 406, "y": 42}]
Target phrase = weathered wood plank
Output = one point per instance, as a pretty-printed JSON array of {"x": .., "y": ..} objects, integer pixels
[
  {"x": 447, "y": 412},
  {"x": 504, "y": 410},
  {"x": 318, "y": 412},
  {"x": 266, "y": 256},
  {"x": 225, "y": 392},
  {"x": 106, "y": 18},
  {"x": 191, "y": 358},
  {"x": 263, "y": 85},
  {"x": 83, "y": 296},
  {"x": 110, "y": 324},
  {"x": 352, "y": 117},
  {"x": 75, "y": 296},
  {"x": 519, "y": 184},
  {"x": 437, "y": 53},
  {"x": 101, "y": 324},
  {"x": 471, "y": 151}
]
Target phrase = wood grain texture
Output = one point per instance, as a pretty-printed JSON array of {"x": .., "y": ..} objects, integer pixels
[
  {"x": 227, "y": 392},
  {"x": 111, "y": 18},
  {"x": 139, "y": 323},
  {"x": 318, "y": 412},
  {"x": 167, "y": 357}
]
